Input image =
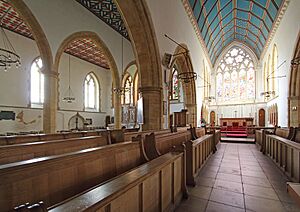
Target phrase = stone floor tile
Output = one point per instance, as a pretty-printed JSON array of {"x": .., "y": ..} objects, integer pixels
[
  {"x": 229, "y": 186},
  {"x": 254, "y": 174},
  {"x": 229, "y": 177},
  {"x": 192, "y": 204},
  {"x": 217, "y": 207},
  {"x": 199, "y": 191},
  {"x": 256, "y": 181},
  {"x": 230, "y": 170},
  {"x": 205, "y": 181},
  {"x": 291, "y": 207},
  {"x": 227, "y": 197},
  {"x": 208, "y": 174},
  {"x": 258, "y": 191},
  {"x": 263, "y": 205}
]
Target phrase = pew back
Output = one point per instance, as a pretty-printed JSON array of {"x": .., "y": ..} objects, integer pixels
[
  {"x": 156, "y": 186},
  {"x": 56, "y": 178},
  {"x": 26, "y": 151}
]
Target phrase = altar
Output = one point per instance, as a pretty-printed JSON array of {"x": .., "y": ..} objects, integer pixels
[{"x": 236, "y": 122}]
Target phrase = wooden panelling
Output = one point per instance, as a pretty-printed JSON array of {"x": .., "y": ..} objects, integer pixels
[
  {"x": 55, "y": 178},
  {"x": 141, "y": 189},
  {"x": 26, "y": 151}
]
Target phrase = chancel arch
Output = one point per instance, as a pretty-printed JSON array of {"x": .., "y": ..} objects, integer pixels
[{"x": 108, "y": 56}]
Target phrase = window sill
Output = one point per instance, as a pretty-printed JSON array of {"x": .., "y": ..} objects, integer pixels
[{"x": 37, "y": 105}]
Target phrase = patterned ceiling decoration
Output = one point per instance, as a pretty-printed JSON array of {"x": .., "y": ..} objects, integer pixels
[
  {"x": 220, "y": 22},
  {"x": 87, "y": 50},
  {"x": 108, "y": 12},
  {"x": 83, "y": 49},
  {"x": 9, "y": 19}
]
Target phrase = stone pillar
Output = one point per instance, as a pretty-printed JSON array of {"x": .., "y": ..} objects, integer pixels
[
  {"x": 117, "y": 111},
  {"x": 152, "y": 111},
  {"x": 192, "y": 117},
  {"x": 50, "y": 101},
  {"x": 294, "y": 111}
]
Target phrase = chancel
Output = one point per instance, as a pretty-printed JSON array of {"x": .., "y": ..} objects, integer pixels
[{"x": 149, "y": 105}]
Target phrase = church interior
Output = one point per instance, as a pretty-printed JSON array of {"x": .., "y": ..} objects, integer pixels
[{"x": 149, "y": 105}]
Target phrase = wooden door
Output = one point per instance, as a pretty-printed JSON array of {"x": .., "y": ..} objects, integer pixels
[
  {"x": 261, "y": 117},
  {"x": 212, "y": 118}
]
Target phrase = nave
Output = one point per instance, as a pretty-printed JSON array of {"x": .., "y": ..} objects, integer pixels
[{"x": 238, "y": 177}]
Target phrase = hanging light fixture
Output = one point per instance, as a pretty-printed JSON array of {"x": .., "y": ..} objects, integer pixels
[
  {"x": 121, "y": 90},
  {"x": 69, "y": 96},
  {"x": 8, "y": 55},
  {"x": 189, "y": 75}
]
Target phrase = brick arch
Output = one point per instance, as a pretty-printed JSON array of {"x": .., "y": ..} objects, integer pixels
[
  {"x": 112, "y": 64},
  {"x": 49, "y": 109},
  {"x": 189, "y": 89},
  {"x": 140, "y": 28},
  {"x": 294, "y": 90}
]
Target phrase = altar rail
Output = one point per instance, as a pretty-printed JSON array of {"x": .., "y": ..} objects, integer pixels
[
  {"x": 155, "y": 186},
  {"x": 286, "y": 155}
]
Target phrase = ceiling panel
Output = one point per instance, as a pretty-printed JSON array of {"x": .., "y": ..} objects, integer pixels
[
  {"x": 221, "y": 22},
  {"x": 83, "y": 49}
]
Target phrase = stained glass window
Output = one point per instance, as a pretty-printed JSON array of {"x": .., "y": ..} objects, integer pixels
[
  {"x": 235, "y": 77},
  {"x": 91, "y": 93},
  {"x": 37, "y": 82},
  {"x": 175, "y": 89}
]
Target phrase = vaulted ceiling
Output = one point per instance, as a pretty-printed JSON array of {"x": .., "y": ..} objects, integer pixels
[
  {"x": 84, "y": 49},
  {"x": 220, "y": 22}
]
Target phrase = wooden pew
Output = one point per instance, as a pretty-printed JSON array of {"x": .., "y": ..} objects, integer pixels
[
  {"x": 56, "y": 178},
  {"x": 158, "y": 185},
  {"x": 285, "y": 153},
  {"x": 19, "y": 139},
  {"x": 128, "y": 136},
  {"x": 26, "y": 151},
  {"x": 197, "y": 152}
]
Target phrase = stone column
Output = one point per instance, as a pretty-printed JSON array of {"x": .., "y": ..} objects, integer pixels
[
  {"x": 152, "y": 111},
  {"x": 117, "y": 111},
  {"x": 50, "y": 101},
  {"x": 192, "y": 117},
  {"x": 294, "y": 113}
]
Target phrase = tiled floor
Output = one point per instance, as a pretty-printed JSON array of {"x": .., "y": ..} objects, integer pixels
[{"x": 239, "y": 178}]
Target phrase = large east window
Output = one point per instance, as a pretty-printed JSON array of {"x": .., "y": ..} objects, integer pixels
[
  {"x": 36, "y": 83},
  {"x": 91, "y": 92},
  {"x": 235, "y": 77}
]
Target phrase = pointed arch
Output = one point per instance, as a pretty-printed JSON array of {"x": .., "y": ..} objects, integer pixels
[
  {"x": 112, "y": 64},
  {"x": 189, "y": 89},
  {"x": 274, "y": 67}
]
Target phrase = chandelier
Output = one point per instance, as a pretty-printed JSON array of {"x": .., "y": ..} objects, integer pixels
[
  {"x": 8, "y": 55},
  {"x": 189, "y": 75},
  {"x": 121, "y": 90},
  {"x": 69, "y": 96}
]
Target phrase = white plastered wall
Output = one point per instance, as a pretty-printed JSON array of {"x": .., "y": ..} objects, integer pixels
[
  {"x": 169, "y": 17},
  {"x": 285, "y": 39}
]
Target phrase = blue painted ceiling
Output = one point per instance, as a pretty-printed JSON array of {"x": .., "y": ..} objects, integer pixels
[{"x": 223, "y": 21}]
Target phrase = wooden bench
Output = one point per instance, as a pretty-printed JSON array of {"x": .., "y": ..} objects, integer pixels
[
  {"x": 285, "y": 153},
  {"x": 19, "y": 139},
  {"x": 294, "y": 191},
  {"x": 56, "y": 178},
  {"x": 128, "y": 136},
  {"x": 26, "y": 151},
  {"x": 197, "y": 152},
  {"x": 158, "y": 185}
]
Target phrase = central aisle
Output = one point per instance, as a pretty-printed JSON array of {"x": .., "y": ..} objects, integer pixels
[{"x": 239, "y": 178}]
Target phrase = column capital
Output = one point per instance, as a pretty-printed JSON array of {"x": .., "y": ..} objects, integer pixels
[
  {"x": 150, "y": 89},
  {"x": 53, "y": 74}
]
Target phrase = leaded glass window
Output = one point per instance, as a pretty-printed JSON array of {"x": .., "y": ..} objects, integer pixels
[
  {"x": 37, "y": 82},
  {"x": 128, "y": 96},
  {"x": 235, "y": 77},
  {"x": 91, "y": 92},
  {"x": 175, "y": 88}
]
